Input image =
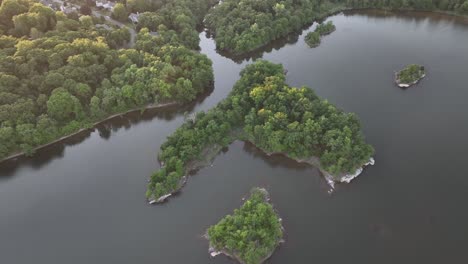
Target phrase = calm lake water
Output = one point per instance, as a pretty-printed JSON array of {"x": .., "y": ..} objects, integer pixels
[{"x": 83, "y": 202}]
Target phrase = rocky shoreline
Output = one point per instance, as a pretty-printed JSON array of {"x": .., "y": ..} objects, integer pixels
[
  {"x": 213, "y": 253},
  {"x": 330, "y": 178},
  {"x": 406, "y": 85},
  {"x": 211, "y": 152}
]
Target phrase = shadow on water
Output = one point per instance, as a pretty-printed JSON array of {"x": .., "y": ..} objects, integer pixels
[
  {"x": 274, "y": 160},
  {"x": 105, "y": 130},
  {"x": 258, "y": 53},
  {"x": 281, "y": 161}
]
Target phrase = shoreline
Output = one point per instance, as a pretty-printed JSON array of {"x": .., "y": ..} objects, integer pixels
[
  {"x": 213, "y": 252},
  {"x": 407, "y": 85},
  {"x": 315, "y": 162},
  {"x": 212, "y": 151},
  {"x": 262, "y": 46},
  {"x": 93, "y": 126}
]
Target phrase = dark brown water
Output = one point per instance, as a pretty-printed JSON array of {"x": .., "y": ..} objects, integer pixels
[{"x": 84, "y": 202}]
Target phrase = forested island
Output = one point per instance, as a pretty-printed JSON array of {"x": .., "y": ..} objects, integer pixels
[
  {"x": 242, "y": 26},
  {"x": 251, "y": 234},
  {"x": 61, "y": 73},
  {"x": 313, "y": 38},
  {"x": 277, "y": 118},
  {"x": 410, "y": 75}
]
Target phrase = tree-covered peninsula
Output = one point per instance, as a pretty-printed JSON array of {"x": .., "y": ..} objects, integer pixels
[
  {"x": 60, "y": 73},
  {"x": 241, "y": 26},
  {"x": 251, "y": 234},
  {"x": 313, "y": 38},
  {"x": 277, "y": 118},
  {"x": 410, "y": 75}
]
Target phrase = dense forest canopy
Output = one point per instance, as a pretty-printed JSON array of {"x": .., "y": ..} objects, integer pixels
[
  {"x": 60, "y": 73},
  {"x": 240, "y": 26},
  {"x": 179, "y": 16},
  {"x": 252, "y": 233},
  {"x": 263, "y": 109}
]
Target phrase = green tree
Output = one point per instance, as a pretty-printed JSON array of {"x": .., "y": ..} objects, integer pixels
[
  {"x": 62, "y": 106},
  {"x": 86, "y": 21},
  {"x": 264, "y": 110},
  {"x": 251, "y": 233},
  {"x": 120, "y": 13},
  {"x": 9, "y": 9},
  {"x": 312, "y": 39}
]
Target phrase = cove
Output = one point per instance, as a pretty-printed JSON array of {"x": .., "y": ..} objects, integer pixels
[{"x": 84, "y": 203}]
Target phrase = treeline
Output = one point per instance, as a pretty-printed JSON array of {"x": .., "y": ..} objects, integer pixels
[
  {"x": 252, "y": 233},
  {"x": 263, "y": 109},
  {"x": 241, "y": 26},
  {"x": 180, "y": 17},
  {"x": 61, "y": 73}
]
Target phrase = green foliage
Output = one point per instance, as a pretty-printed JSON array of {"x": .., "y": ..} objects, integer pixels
[
  {"x": 263, "y": 109},
  {"x": 180, "y": 18},
  {"x": 325, "y": 28},
  {"x": 62, "y": 106},
  {"x": 464, "y": 7},
  {"x": 23, "y": 17},
  {"x": 312, "y": 39},
  {"x": 410, "y": 74},
  {"x": 252, "y": 233},
  {"x": 69, "y": 74},
  {"x": 120, "y": 13},
  {"x": 86, "y": 21},
  {"x": 241, "y": 26}
]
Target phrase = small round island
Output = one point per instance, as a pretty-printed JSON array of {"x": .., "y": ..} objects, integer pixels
[
  {"x": 410, "y": 75},
  {"x": 251, "y": 234}
]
